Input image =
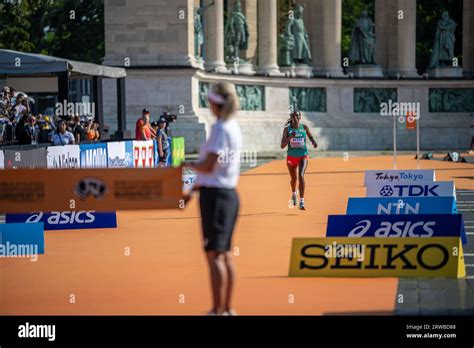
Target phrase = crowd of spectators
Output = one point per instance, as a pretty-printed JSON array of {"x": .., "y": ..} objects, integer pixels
[{"x": 18, "y": 125}]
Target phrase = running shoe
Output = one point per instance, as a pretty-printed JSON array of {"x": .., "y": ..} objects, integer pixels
[
  {"x": 230, "y": 312},
  {"x": 301, "y": 207},
  {"x": 294, "y": 199}
]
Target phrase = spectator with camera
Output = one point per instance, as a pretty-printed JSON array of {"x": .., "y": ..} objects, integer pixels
[
  {"x": 92, "y": 131},
  {"x": 78, "y": 130}
]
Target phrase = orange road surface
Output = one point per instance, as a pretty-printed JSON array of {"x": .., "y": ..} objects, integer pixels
[{"x": 153, "y": 263}]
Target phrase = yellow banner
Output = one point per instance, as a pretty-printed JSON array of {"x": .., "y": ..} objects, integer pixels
[
  {"x": 377, "y": 257},
  {"x": 24, "y": 190}
]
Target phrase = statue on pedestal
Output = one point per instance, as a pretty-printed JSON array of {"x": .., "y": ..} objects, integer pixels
[
  {"x": 443, "y": 49},
  {"x": 198, "y": 30},
  {"x": 363, "y": 40},
  {"x": 236, "y": 35},
  {"x": 294, "y": 41}
]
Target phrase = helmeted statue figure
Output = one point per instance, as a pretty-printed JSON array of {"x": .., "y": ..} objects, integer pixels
[
  {"x": 443, "y": 49},
  {"x": 294, "y": 41},
  {"x": 363, "y": 40},
  {"x": 236, "y": 34}
]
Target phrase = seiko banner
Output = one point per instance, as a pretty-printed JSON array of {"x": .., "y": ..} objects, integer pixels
[
  {"x": 94, "y": 155},
  {"x": 143, "y": 154},
  {"x": 395, "y": 176},
  {"x": 120, "y": 154},
  {"x": 377, "y": 257},
  {"x": 21, "y": 240},
  {"x": 63, "y": 157},
  {"x": 423, "y": 189},
  {"x": 401, "y": 205},
  {"x": 66, "y": 220},
  {"x": 30, "y": 159},
  {"x": 383, "y": 226}
]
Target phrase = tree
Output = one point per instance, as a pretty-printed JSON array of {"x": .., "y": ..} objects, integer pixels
[{"x": 72, "y": 29}]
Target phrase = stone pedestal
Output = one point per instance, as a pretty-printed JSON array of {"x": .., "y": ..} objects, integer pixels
[
  {"x": 243, "y": 68},
  {"x": 305, "y": 71},
  {"x": 365, "y": 71},
  {"x": 445, "y": 73}
]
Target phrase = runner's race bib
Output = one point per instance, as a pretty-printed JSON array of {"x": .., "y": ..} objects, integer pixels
[{"x": 297, "y": 143}]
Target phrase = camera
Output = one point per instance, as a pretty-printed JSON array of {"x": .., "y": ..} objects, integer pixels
[{"x": 169, "y": 117}]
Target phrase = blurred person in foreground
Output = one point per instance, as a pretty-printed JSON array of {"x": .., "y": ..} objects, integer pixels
[{"x": 219, "y": 203}]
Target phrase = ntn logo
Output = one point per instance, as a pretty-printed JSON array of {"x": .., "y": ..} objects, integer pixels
[
  {"x": 64, "y": 217},
  {"x": 395, "y": 229},
  {"x": 398, "y": 208}
]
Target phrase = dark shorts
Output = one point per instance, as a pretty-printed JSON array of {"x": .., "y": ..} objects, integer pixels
[
  {"x": 164, "y": 158},
  {"x": 219, "y": 209}
]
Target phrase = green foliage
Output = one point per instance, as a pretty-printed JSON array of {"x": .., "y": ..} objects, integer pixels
[{"x": 72, "y": 29}]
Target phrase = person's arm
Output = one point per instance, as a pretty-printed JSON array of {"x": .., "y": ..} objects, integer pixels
[
  {"x": 310, "y": 136},
  {"x": 206, "y": 166},
  {"x": 285, "y": 140}
]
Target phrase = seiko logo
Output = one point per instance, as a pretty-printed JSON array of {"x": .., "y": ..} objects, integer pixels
[
  {"x": 65, "y": 217},
  {"x": 396, "y": 229}
]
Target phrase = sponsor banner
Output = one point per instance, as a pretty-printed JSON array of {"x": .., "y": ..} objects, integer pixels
[
  {"x": 118, "y": 156},
  {"x": 396, "y": 226},
  {"x": 143, "y": 154},
  {"x": 94, "y": 155},
  {"x": 28, "y": 238},
  {"x": 66, "y": 220},
  {"x": 63, "y": 157},
  {"x": 422, "y": 189},
  {"x": 188, "y": 181},
  {"x": 90, "y": 189},
  {"x": 178, "y": 151},
  {"x": 31, "y": 159},
  {"x": 2, "y": 160},
  {"x": 377, "y": 257},
  {"x": 395, "y": 176},
  {"x": 401, "y": 205}
]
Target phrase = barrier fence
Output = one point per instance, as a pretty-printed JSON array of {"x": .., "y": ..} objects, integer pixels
[{"x": 118, "y": 154}]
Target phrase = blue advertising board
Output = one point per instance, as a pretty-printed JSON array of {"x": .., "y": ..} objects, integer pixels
[
  {"x": 66, "y": 220},
  {"x": 22, "y": 237},
  {"x": 401, "y": 205},
  {"x": 94, "y": 155},
  {"x": 440, "y": 225}
]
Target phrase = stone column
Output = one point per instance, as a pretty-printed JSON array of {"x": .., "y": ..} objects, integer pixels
[
  {"x": 395, "y": 22},
  {"x": 214, "y": 37},
  {"x": 468, "y": 38},
  {"x": 323, "y": 20},
  {"x": 267, "y": 38},
  {"x": 330, "y": 36}
]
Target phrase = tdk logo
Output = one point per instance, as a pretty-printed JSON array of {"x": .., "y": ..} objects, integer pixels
[
  {"x": 396, "y": 229},
  {"x": 409, "y": 190},
  {"x": 65, "y": 217}
]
